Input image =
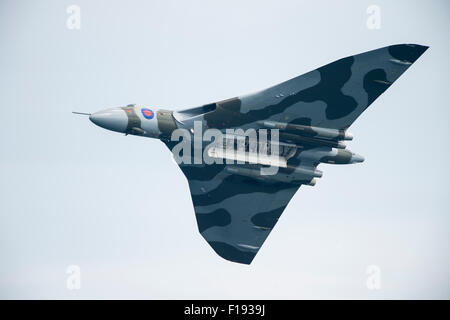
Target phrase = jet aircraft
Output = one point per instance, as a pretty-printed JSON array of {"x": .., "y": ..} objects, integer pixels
[{"x": 237, "y": 206}]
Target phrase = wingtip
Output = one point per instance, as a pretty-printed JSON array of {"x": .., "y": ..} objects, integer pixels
[
  {"x": 407, "y": 52},
  {"x": 231, "y": 253},
  {"x": 421, "y": 47}
]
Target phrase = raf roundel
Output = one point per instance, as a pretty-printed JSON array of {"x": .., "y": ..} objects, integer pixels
[{"x": 147, "y": 113}]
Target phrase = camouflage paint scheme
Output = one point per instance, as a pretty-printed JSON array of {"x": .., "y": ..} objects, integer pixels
[{"x": 236, "y": 208}]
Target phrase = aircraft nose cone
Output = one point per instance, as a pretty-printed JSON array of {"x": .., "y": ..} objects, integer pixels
[{"x": 113, "y": 119}]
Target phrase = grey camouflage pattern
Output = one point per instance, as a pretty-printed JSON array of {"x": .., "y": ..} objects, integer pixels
[{"x": 236, "y": 208}]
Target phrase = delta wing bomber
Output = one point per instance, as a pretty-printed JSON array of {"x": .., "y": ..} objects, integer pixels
[{"x": 244, "y": 158}]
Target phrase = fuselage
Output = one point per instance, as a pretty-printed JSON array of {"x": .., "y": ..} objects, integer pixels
[
  {"x": 140, "y": 121},
  {"x": 160, "y": 123}
]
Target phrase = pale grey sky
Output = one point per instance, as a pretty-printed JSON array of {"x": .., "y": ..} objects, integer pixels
[{"x": 74, "y": 194}]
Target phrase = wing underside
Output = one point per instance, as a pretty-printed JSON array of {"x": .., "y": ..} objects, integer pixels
[
  {"x": 235, "y": 213},
  {"x": 332, "y": 96}
]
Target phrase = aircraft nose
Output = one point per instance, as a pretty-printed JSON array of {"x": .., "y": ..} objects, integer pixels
[{"x": 113, "y": 119}]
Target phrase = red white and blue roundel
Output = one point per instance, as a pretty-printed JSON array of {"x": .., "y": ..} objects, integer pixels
[{"x": 147, "y": 113}]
